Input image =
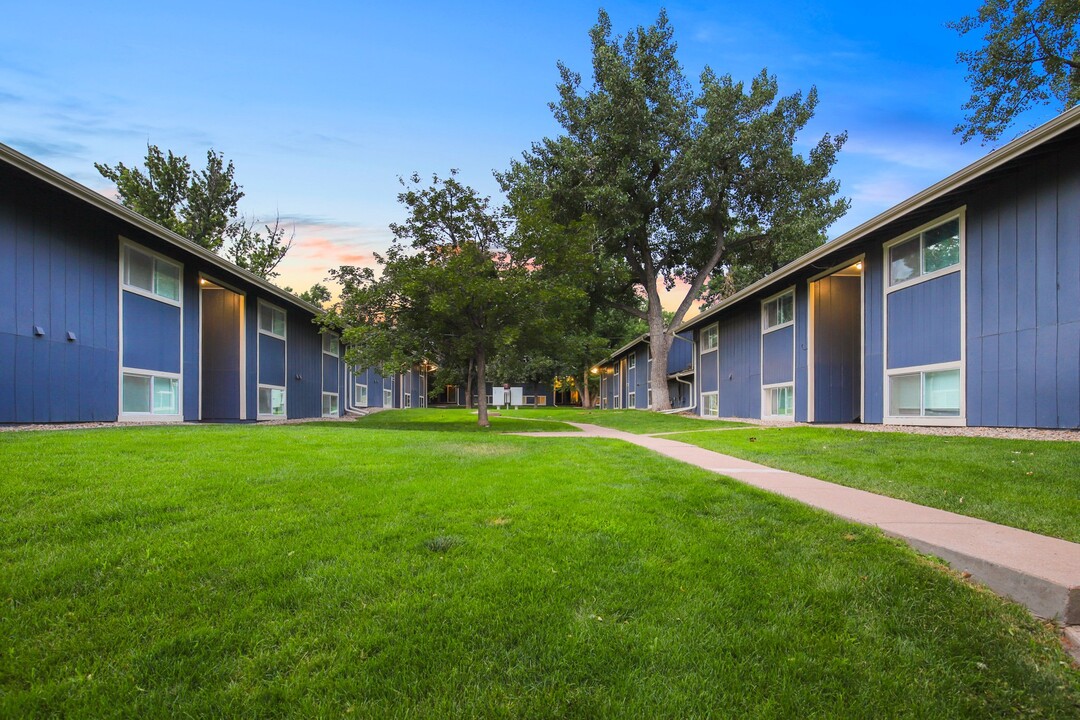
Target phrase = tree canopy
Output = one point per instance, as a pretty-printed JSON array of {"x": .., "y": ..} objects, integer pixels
[
  {"x": 1029, "y": 56},
  {"x": 201, "y": 205},
  {"x": 668, "y": 182},
  {"x": 451, "y": 290}
]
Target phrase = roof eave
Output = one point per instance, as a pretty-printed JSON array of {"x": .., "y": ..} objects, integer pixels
[
  {"x": 995, "y": 159},
  {"x": 81, "y": 192}
]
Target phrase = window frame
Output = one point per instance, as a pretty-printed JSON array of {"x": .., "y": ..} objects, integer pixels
[
  {"x": 151, "y": 416},
  {"x": 284, "y": 402},
  {"x": 631, "y": 400},
  {"x": 917, "y": 234},
  {"x": 713, "y": 395},
  {"x": 126, "y": 246},
  {"x": 766, "y": 404},
  {"x": 631, "y": 361},
  {"x": 270, "y": 333},
  {"x": 715, "y": 332},
  {"x": 765, "y": 327},
  {"x": 336, "y": 353},
  {"x": 336, "y": 411},
  {"x": 356, "y": 394},
  {"x": 961, "y": 364}
]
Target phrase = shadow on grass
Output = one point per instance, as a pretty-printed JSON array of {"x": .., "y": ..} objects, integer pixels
[{"x": 452, "y": 421}]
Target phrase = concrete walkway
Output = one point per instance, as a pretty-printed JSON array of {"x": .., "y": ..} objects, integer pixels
[{"x": 1040, "y": 572}]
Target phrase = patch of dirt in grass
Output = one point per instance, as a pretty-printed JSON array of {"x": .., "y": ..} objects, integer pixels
[{"x": 498, "y": 521}]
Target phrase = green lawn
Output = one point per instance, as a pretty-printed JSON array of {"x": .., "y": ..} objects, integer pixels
[
  {"x": 347, "y": 570},
  {"x": 456, "y": 420},
  {"x": 634, "y": 421},
  {"x": 1034, "y": 485}
]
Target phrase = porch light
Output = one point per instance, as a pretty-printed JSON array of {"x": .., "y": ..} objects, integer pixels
[
  {"x": 596, "y": 371},
  {"x": 858, "y": 265}
]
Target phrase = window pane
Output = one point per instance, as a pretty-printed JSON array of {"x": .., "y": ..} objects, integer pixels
[
  {"x": 329, "y": 404},
  {"x": 278, "y": 326},
  {"x": 780, "y": 401},
  {"x": 904, "y": 261},
  {"x": 136, "y": 394},
  {"x": 904, "y": 392},
  {"x": 264, "y": 401},
  {"x": 784, "y": 307},
  {"x": 710, "y": 338},
  {"x": 941, "y": 246},
  {"x": 165, "y": 396},
  {"x": 361, "y": 395},
  {"x": 330, "y": 345},
  {"x": 166, "y": 280},
  {"x": 139, "y": 270},
  {"x": 941, "y": 392}
]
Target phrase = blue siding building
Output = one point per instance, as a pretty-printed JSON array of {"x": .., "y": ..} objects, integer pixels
[
  {"x": 106, "y": 316},
  {"x": 959, "y": 306},
  {"x": 624, "y": 375}
]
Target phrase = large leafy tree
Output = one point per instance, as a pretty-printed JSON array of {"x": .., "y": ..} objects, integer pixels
[
  {"x": 451, "y": 290},
  {"x": 201, "y": 205},
  {"x": 672, "y": 180},
  {"x": 1029, "y": 56}
]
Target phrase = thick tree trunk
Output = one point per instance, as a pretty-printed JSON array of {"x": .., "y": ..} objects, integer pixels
[
  {"x": 660, "y": 344},
  {"x": 481, "y": 392},
  {"x": 585, "y": 399},
  {"x": 468, "y": 386}
]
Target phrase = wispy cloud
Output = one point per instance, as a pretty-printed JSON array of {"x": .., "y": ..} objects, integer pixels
[
  {"x": 43, "y": 149},
  {"x": 320, "y": 244}
]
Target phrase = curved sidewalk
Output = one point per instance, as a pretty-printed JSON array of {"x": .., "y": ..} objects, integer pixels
[{"x": 1040, "y": 572}]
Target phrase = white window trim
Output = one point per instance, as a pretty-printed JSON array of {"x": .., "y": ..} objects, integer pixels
[
  {"x": 336, "y": 397},
  {"x": 704, "y": 334},
  {"x": 631, "y": 361},
  {"x": 765, "y": 329},
  {"x": 711, "y": 393},
  {"x": 125, "y": 243},
  {"x": 335, "y": 336},
  {"x": 151, "y": 416},
  {"x": 270, "y": 333},
  {"x": 938, "y": 420},
  {"x": 270, "y": 416},
  {"x": 765, "y": 395},
  {"x": 794, "y": 355},
  {"x": 121, "y": 289},
  {"x": 960, "y": 267},
  {"x": 618, "y": 403},
  {"x": 258, "y": 364},
  {"x": 960, "y": 215},
  {"x": 406, "y": 401},
  {"x": 388, "y": 390},
  {"x": 631, "y": 400},
  {"x": 356, "y": 395}
]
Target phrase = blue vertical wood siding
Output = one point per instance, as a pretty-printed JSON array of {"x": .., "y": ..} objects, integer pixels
[
  {"x": 271, "y": 360},
  {"x": 739, "y": 361},
  {"x": 837, "y": 308},
  {"x": 778, "y": 348},
  {"x": 304, "y": 349},
  {"x": 58, "y": 271},
  {"x": 151, "y": 334},
  {"x": 924, "y": 323},
  {"x": 1023, "y": 295},
  {"x": 330, "y": 374},
  {"x": 802, "y": 324},
  {"x": 873, "y": 335}
]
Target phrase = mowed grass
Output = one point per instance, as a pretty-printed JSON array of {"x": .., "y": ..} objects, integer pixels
[
  {"x": 456, "y": 420},
  {"x": 340, "y": 570},
  {"x": 632, "y": 421},
  {"x": 1029, "y": 484}
]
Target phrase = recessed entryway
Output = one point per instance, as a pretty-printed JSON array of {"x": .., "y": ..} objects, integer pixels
[
  {"x": 835, "y": 353},
  {"x": 221, "y": 357}
]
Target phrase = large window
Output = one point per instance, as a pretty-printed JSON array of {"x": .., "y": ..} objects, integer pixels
[
  {"x": 361, "y": 395},
  {"x": 780, "y": 401},
  {"x": 631, "y": 400},
  {"x": 387, "y": 397},
  {"x": 710, "y": 404},
  {"x": 271, "y": 320},
  {"x": 631, "y": 361},
  {"x": 329, "y": 404},
  {"x": 925, "y": 394},
  {"x": 925, "y": 253},
  {"x": 151, "y": 275},
  {"x": 709, "y": 338},
  {"x": 779, "y": 311},
  {"x": 151, "y": 394},
  {"x": 271, "y": 401}
]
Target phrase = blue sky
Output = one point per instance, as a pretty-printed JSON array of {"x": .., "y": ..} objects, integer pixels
[{"x": 322, "y": 105}]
